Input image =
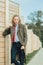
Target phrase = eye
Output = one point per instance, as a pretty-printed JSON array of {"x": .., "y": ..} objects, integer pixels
[{"x": 15, "y": 19}]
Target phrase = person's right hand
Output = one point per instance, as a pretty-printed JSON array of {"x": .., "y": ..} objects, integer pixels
[{"x": 22, "y": 47}]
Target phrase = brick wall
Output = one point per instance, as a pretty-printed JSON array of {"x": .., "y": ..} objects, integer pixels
[{"x": 2, "y": 27}]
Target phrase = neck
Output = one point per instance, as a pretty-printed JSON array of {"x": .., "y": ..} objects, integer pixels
[{"x": 15, "y": 24}]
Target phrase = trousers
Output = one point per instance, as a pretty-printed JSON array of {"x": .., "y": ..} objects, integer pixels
[{"x": 16, "y": 49}]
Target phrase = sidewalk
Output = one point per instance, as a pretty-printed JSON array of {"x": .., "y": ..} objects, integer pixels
[{"x": 38, "y": 58}]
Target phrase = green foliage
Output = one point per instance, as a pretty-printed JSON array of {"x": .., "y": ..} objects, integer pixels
[
  {"x": 36, "y": 18},
  {"x": 30, "y": 56}
]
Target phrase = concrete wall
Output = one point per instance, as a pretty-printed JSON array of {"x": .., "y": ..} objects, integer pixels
[{"x": 33, "y": 42}]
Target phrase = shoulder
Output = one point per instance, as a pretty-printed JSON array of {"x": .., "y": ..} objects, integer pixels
[
  {"x": 10, "y": 26},
  {"x": 22, "y": 25}
]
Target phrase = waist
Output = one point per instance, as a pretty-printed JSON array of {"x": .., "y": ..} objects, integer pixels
[{"x": 15, "y": 42}]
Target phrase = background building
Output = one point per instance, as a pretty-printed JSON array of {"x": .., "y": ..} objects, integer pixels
[{"x": 7, "y": 9}]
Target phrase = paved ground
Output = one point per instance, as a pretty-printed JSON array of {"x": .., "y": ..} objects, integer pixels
[{"x": 38, "y": 58}]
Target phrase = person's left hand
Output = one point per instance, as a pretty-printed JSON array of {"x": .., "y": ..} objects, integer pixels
[{"x": 22, "y": 47}]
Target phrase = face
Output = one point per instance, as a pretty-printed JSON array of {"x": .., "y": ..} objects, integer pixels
[{"x": 16, "y": 20}]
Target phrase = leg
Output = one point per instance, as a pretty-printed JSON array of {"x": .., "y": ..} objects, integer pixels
[
  {"x": 21, "y": 56},
  {"x": 13, "y": 54},
  {"x": 21, "y": 53}
]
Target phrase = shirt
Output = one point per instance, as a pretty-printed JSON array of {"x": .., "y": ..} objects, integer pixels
[{"x": 16, "y": 36}]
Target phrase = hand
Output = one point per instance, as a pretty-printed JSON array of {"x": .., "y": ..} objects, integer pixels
[{"x": 22, "y": 47}]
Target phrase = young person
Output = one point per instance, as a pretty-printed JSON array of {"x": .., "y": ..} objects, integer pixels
[{"x": 18, "y": 38}]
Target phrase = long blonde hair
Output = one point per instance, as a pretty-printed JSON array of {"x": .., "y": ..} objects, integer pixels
[{"x": 16, "y": 16}]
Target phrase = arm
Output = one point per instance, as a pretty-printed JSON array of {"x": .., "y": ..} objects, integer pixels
[
  {"x": 6, "y": 32},
  {"x": 24, "y": 36}
]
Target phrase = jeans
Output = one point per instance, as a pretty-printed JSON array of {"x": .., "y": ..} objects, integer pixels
[{"x": 16, "y": 49}]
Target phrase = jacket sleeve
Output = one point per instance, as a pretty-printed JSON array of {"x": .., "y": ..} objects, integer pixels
[
  {"x": 6, "y": 32},
  {"x": 25, "y": 35}
]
